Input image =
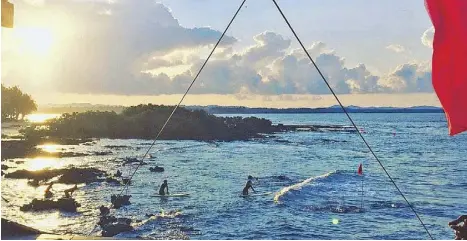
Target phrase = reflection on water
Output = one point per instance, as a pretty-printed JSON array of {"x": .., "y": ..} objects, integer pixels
[
  {"x": 39, "y": 118},
  {"x": 40, "y": 163},
  {"x": 52, "y": 148}
]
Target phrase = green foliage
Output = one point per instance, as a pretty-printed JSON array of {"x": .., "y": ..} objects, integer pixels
[
  {"x": 145, "y": 122},
  {"x": 15, "y": 103}
]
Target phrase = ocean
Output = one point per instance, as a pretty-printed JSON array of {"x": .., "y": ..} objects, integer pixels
[{"x": 316, "y": 191}]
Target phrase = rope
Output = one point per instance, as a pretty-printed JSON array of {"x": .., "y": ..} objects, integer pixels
[
  {"x": 353, "y": 123},
  {"x": 183, "y": 97}
]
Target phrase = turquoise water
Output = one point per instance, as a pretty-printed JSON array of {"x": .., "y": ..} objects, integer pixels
[{"x": 428, "y": 165}]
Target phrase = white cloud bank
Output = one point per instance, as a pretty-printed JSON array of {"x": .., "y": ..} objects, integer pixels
[{"x": 141, "y": 49}]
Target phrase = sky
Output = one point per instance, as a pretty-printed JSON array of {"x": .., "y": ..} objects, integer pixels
[{"x": 126, "y": 52}]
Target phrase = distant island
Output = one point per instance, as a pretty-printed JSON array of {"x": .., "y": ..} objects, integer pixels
[
  {"x": 216, "y": 109},
  {"x": 333, "y": 109}
]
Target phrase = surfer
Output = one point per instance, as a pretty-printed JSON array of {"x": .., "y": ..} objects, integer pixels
[
  {"x": 164, "y": 186},
  {"x": 47, "y": 192},
  {"x": 119, "y": 173},
  {"x": 69, "y": 192},
  {"x": 248, "y": 186}
]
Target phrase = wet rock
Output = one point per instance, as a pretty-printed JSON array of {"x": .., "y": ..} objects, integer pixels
[
  {"x": 119, "y": 201},
  {"x": 112, "y": 226},
  {"x": 104, "y": 210},
  {"x": 113, "y": 229},
  {"x": 67, "y": 176},
  {"x": 126, "y": 180},
  {"x": 156, "y": 169},
  {"x": 102, "y": 153},
  {"x": 33, "y": 183},
  {"x": 62, "y": 204},
  {"x": 5, "y": 167}
]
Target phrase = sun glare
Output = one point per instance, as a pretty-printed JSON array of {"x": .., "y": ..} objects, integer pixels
[
  {"x": 40, "y": 163},
  {"x": 34, "y": 40},
  {"x": 51, "y": 148},
  {"x": 39, "y": 118}
]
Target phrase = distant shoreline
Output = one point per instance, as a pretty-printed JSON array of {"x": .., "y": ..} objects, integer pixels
[{"x": 214, "y": 109}]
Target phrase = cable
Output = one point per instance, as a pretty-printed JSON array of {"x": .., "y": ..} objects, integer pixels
[
  {"x": 345, "y": 111},
  {"x": 183, "y": 97}
]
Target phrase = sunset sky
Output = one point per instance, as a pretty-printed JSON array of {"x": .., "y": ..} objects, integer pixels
[{"x": 124, "y": 52}]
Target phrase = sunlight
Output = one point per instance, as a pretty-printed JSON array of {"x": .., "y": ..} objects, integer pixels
[
  {"x": 39, "y": 118},
  {"x": 51, "y": 148},
  {"x": 34, "y": 40},
  {"x": 40, "y": 163}
]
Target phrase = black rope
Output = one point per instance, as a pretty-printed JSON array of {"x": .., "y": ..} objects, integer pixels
[
  {"x": 183, "y": 97},
  {"x": 355, "y": 126}
]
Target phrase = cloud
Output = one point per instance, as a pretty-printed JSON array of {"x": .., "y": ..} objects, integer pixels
[
  {"x": 141, "y": 49},
  {"x": 409, "y": 78},
  {"x": 106, "y": 54},
  {"x": 427, "y": 37},
  {"x": 396, "y": 48}
]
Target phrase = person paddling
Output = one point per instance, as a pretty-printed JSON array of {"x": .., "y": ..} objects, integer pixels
[
  {"x": 48, "y": 193},
  {"x": 248, "y": 185},
  {"x": 163, "y": 187}
]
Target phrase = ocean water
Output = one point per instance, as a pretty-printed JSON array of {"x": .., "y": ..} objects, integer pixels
[{"x": 316, "y": 192}]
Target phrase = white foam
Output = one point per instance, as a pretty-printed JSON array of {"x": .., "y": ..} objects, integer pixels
[{"x": 298, "y": 185}]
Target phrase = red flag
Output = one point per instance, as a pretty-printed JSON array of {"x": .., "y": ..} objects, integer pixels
[
  {"x": 449, "y": 76},
  {"x": 360, "y": 169}
]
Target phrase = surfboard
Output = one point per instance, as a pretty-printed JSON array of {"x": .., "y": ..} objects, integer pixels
[
  {"x": 172, "y": 195},
  {"x": 257, "y": 194}
]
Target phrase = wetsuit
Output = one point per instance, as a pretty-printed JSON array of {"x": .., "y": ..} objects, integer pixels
[
  {"x": 248, "y": 186},
  {"x": 164, "y": 186}
]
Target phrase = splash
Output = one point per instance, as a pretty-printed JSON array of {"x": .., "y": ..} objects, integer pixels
[{"x": 299, "y": 185}]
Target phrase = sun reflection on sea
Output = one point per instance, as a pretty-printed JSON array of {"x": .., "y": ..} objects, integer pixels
[
  {"x": 40, "y": 163},
  {"x": 51, "y": 148},
  {"x": 39, "y": 118}
]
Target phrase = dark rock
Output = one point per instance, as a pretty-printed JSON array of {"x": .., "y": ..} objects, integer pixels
[
  {"x": 62, "y": 204},
  {"x": 11, "y": 229},
  {"x": 156, "y": 169},
  {"x": 104, "y": 210},
  {"x": 5, "y": 167},
  {"x": 68, "y": 176},
  {"x": 102, "y": 153},
  {"x": 126, "y": 180},
  {"x": 118, "y": 201},
  {"x": 113, "y": 229}
]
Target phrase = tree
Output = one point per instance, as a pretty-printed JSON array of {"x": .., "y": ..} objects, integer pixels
[{"x": 16, "y": 103}]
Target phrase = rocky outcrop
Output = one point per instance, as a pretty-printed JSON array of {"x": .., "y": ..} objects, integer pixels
[{"x": 62, "y": 204}]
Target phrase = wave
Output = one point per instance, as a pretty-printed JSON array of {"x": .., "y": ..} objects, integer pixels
[{"x": 299, "y": 185}]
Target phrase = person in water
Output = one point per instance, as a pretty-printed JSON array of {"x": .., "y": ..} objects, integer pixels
[
  {"x": 459, "y": 230},
  {"x": 248, "y": 185},
  {"x": 48, "y": 193},
  {"x": 69, "y": 192},
  {"x": 163, "y": 187},
  {"x": 119, "y": 173}
]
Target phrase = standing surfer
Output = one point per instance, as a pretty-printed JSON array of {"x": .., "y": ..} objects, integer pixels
[
  {"x": 164, "y": 186},
  {"x": 248, "y": 185}
]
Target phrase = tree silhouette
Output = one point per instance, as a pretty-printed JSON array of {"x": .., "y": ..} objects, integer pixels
[{"x": 15, "y": 103}]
